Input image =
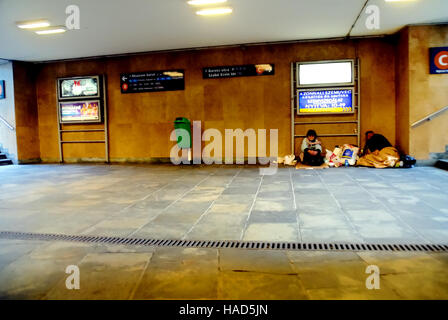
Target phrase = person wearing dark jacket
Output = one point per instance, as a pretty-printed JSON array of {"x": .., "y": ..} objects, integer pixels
[
  {"x": 377, "y": 142},
  {"x": 378, "y": 152},
  {"x": 369, "y": 135}
]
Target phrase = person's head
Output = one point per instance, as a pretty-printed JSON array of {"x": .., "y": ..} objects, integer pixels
[
  {"x": 369, "y": 134},
  {"x": 311, "y": 135}
]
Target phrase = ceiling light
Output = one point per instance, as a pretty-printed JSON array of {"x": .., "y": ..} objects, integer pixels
[
  {"x": 52, "y": 30},
  {"x": 399, "y": 0},
  {"x": 214, "y": 11},
  {"x": 33, "y": 24},
  {"x": 202, "y": 2}
]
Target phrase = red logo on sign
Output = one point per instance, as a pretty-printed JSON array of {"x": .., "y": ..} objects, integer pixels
[
  {"x": 76, "y": 83},
  {"x": 125, "y": 86},
  {"x": 441, "y": 60}
]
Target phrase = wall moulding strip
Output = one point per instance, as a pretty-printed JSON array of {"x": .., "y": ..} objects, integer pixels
[
  {"x": 84, "y": 130},
  {"x": 128, "y": 54},
  {"x": 85, "y": 141},
  {"x": 326, "y": 122},
  {"x": 330, "y": 135}
]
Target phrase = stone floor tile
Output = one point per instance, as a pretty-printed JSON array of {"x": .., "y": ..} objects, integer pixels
[
  {"x": 274, "y": 205},
  {"x": 105, "y": 276},
  {"x": 353, "y": 293},
  {"x": 308, "y": 221},
  {"x": 271, "y": 232},
  {"x": 259, "y": 286},
  {"x": 34, "y": 274},
  {"x": 264, "y": 261},
  {"x": 180, "y": 273},
  {"x": 418, "y": 286},
  {"x": 273, "y": 217},
  {"x": 330, "y": 235}
]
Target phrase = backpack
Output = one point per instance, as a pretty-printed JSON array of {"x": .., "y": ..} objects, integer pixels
[{"x": 408, "y": 161}]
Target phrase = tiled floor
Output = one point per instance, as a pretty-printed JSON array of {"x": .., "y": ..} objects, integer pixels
[
  {"x": 237, "y": 203},
  {"x": 222, "y": 203},
  {"x": 31, "y": 270}
]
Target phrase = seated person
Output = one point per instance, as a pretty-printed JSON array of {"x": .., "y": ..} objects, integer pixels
[
  {"x": 378, "y": 152},
  {"x": 377, "y": 142},
  {"x": 312, "y": 149},
  {"x": 369, "y": 135}
]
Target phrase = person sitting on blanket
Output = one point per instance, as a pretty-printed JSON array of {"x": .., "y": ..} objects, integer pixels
[
  {"x": 379, "y": 153},
  {"x": 369, "y": 134},
  {"x": 312, "y": 149}
]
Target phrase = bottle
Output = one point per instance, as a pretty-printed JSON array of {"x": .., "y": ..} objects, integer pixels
[{"x": 346, "y": 163}]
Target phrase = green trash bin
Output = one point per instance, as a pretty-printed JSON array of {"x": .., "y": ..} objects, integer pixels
[{"x": 183, "y": 123}]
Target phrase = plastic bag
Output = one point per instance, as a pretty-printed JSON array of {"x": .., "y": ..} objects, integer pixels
[
  {"x": 290, "y": 160},
  {"x": 335, "y": 158},
  {"x": 349, "y": 152}
]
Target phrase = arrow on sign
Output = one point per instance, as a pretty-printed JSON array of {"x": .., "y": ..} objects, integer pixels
[{"x": 124, "y": 78}]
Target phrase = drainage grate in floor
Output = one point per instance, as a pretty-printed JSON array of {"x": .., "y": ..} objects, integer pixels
[{"x": 251, "y": 245}]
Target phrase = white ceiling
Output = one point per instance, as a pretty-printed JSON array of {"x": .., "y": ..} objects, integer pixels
[{"x": 127, "y": 26}]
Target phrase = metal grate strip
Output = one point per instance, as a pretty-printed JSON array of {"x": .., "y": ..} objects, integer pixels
[{"x": 250, "y": 245}]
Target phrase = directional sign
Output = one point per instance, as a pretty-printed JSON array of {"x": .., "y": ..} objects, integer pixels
[
  {"x": 247, "y": 70},
  {"x": 152, "y": 81}
]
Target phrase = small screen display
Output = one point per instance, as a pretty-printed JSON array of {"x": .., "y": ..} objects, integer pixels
[
  {"x": 80, "y": 111},
  {"x": 325, "y": 101},
  {"x": 325, "y": 74},
  {"x": 79, "y": 88}
]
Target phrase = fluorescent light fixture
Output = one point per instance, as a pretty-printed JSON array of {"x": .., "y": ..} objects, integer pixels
[
  {"x": 33, "y": 24},
  {"x": 214, "y": 11},
  {"x": 204, "y": 2},
  {"x": 399, "y": 0},
  {"x": 51, "y": 30}
]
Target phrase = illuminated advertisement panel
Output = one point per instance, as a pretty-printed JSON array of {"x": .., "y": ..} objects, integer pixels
[
  {"x": 79, "y": 88},
  {"x": 325, "y": 101},
  {"x": 80, "y": 111}
]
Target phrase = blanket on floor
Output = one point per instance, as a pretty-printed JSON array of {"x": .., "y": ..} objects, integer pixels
[{"x": 386, "y": 157}]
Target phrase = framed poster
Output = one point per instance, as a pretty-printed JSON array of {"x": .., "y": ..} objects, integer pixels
[
  {"x": 79, "y": 88},
  {"x": 325, "y": 101},
  {"x": 2, "y": 89},
  {"x": 88, "y": 111}
]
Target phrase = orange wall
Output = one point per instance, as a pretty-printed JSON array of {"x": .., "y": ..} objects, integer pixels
[
  {"x": 140, "y": 124},
  {"x": 27, "y": 130},
  {"x": 419, "y": 93},
  {"x": 402, "y": 92},
  {"x": 428, "y": 93}
]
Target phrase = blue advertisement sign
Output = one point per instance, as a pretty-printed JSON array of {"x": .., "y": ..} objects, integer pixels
[
  {"x": 438, "y": 60},
  {"x": 325, "y": 101},
  {"x": 2, "y": 89}
]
